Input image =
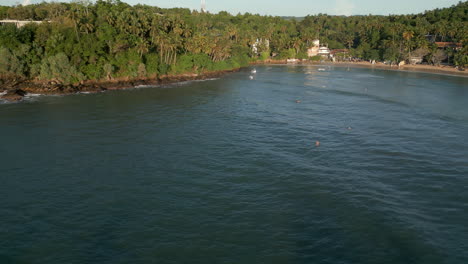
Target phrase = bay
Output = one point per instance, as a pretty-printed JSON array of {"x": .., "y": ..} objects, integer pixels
[{"x": 227, "y": 171}]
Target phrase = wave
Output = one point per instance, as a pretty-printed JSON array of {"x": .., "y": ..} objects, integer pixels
[
  {"x": 194, "y": 81},
  {"x": 182, "y": 83},
  {"x": 145, "y": 86},
  {"x": 32, "y": 95}
]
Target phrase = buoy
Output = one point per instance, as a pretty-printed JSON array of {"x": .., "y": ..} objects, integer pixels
[{"x": 317, "y": 143}]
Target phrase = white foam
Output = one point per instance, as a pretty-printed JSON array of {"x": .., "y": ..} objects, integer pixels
[
  {"x": 202, "y": 80},
  {"x": 189, "y": 82},
  {"x": 144, "y": 86},
  {"x": 32, "y": 95},
  {"x": 210, "y": 79}
]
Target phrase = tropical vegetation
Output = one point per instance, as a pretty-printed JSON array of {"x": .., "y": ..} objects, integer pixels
[{"x": 109, "y": 39}]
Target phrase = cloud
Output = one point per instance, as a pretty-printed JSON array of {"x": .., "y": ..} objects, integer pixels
[{"x": 343, "y": 7}]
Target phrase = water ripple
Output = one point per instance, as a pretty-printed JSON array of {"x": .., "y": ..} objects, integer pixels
[{"x": 227, "y": 171}]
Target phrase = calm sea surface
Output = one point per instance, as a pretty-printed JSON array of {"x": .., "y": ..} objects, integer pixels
[{"x": 227, "y": 171}]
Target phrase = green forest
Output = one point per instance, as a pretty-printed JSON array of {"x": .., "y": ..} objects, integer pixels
[{"x": 109, "y": 39}]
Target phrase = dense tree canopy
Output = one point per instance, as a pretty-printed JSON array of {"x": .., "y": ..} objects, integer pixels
[{"x": 111, "y": 39}]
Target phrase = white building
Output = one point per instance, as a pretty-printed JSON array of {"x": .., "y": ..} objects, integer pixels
[
  {"x": 317, "y": 50},
  {"x": 203, "y": 6},
  {"x": 324, "y": 51},
  {"x": 258, "y": 44},
  {"x": 313, "y": 51},
  {"x": 18, "y": 23}
]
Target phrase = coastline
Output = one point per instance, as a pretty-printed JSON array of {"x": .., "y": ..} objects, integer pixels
[
  {"x": 16, "y": 91},
  {"x": 445, "y": 70}
]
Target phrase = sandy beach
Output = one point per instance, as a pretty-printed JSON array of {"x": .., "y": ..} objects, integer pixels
[
  {"x": 447, "y": 70},
  {"x": 415, "y": 68}
]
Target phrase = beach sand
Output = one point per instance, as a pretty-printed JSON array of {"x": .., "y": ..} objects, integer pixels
[
  {"x": 415, "y": 68},
  {"x": 447, "y": 70}
]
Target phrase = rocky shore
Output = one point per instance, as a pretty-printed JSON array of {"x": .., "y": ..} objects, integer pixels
[
  {"x": 13, "y": 95},
  {"x": 14, "y": 91}
]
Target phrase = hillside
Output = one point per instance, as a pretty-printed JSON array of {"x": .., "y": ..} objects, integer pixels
[{"x": 111, "y": 39}]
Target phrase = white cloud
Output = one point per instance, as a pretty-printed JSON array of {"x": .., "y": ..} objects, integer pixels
[{"x": 343, "y": 7}]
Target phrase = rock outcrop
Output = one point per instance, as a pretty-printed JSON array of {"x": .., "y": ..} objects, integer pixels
[{"x": 14, "y": 95}]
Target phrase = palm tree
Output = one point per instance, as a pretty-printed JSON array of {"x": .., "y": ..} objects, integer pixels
[
  {"x": 297, "y": 43},
  {"x": 408, "y": 35},
  {"x": 73, "y": 16},
  {"x": 142, "y": 46},
  {"x": 232, "y": 32}
]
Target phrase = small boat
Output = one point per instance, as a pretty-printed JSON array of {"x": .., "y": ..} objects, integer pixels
[
  {"x": 251, "y": 77},
  {"x": 254, "y": 71}
]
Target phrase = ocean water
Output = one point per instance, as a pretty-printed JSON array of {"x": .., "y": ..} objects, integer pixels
[{"x": 227, "y": 171}]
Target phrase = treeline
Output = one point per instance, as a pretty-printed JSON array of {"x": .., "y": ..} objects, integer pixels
[
  {"x": 110, "y": 39},
  {"x": 396, "y": 37}
]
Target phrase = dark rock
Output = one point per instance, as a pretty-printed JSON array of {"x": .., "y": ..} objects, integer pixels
[
  {"x": 20, "y": 92},
  {"x": 70, "y": 89},
  {"x": 14, "y": 95}
]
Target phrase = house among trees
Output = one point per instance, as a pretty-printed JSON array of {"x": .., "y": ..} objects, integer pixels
[
  {"x": 324, "y": 52},
  {"x": 445, "y": 45},
  {"x": 317, "y": 50},
  {"x": 102, "y": 40},
  {"x": 339, "y": 54},
  {"x": 18, "y": 23},
  {"x": 417, "y": 56},
  {"x": 416, "y": 60},
  {"x": 260, "y": 45},
  {"x": 313, "y": 51}
]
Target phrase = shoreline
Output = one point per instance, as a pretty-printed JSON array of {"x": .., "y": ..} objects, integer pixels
[
  {"x": 16, "y": 91},
  {"x": 443, "y": 70}
]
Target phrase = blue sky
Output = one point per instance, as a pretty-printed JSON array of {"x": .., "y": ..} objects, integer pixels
[{"x": 298, "y": 7}]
